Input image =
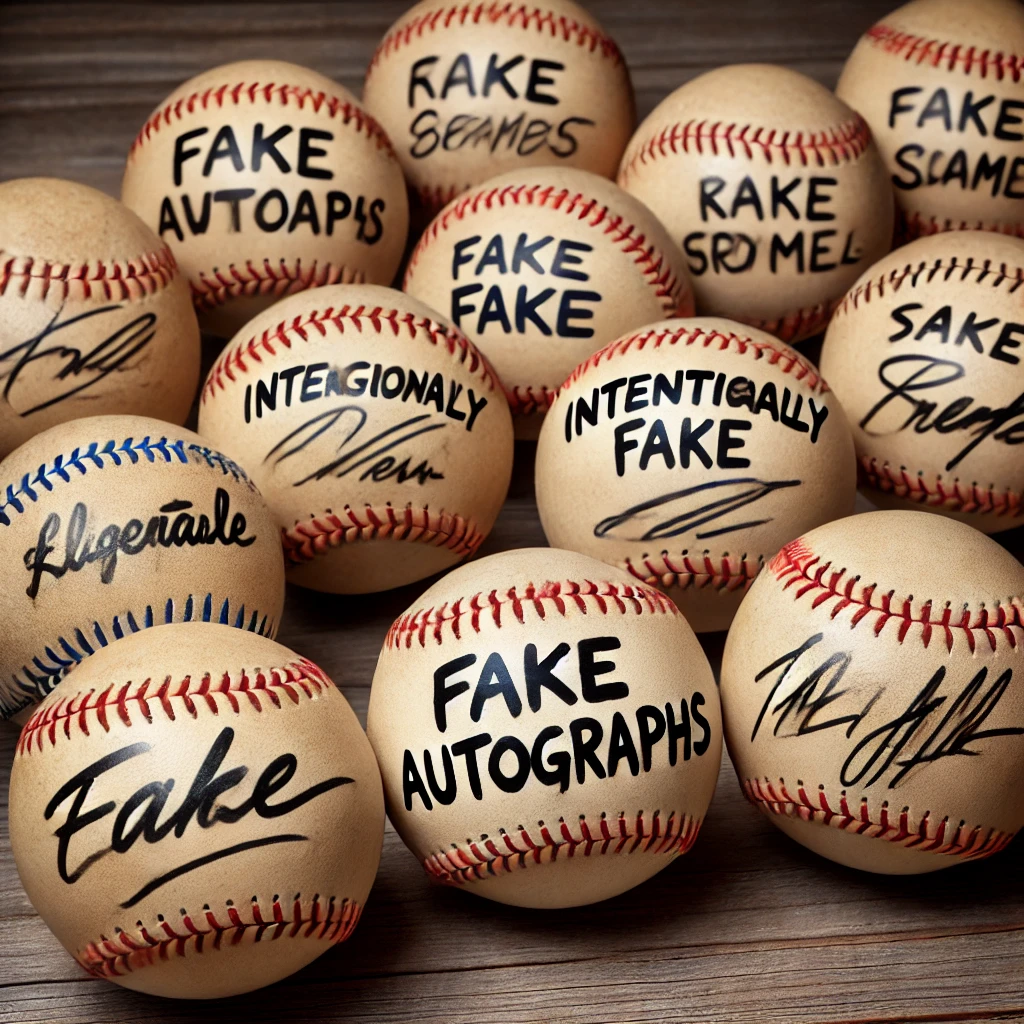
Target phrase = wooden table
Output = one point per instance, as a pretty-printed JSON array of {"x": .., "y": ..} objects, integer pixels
[{"x": 747, "y": 927}]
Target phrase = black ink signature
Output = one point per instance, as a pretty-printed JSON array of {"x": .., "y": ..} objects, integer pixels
[
  {"x": 904, "y": 376},
  {"x": 80, "y": 368},
  {"x": 750, "y": 490},
  {"x": 139, "y": 815},
  {"x": 348, "y": 421},
  {"x": 934, "y": 725}
]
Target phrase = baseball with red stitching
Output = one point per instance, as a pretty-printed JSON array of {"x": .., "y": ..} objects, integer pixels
[
  {"x": 926, "y": 351},
  {"x": 774, "y": 189},
  {"x": 95, "y": 316},
  {"x": 113, "y": 524},
  {"x": 378, "y": 434},
  {"x": 266, "y": 178},
  {"x": 543, "y": 267},
  {"x": 195, "y": 812},
  {"x": 871, "y": 692},
  {"x": 941, "y": 82},
  {"x": 686, "y": 453},
  {"x": 468, "y": 90},
  {"x": 547, "y": 727}
]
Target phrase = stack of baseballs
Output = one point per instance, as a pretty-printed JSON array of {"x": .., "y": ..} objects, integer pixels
[{"x": 544, "y": 727}]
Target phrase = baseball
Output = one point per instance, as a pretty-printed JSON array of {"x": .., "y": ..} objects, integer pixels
[
  {"x": 941, "y": 82},
  {"x": 548, "y": 729},
  {"x": 468, "y": 91},
  {"x": 773, "y": 188},
  {"x": 687, "y": 453},
  {"x": 543, "y": 267},
  {"x": 870, "y": 686},
  {"x": 926, "y": 354},
  {"x": 379, "y": 436},
  {"x": 95, "y": 316},
  {"x": 113, "y": 524},
  {"x": 266, "y": 178},
  {"x": 195, "y": 812}
]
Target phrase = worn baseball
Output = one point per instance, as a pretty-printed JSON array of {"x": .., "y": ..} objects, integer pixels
[
  {"x": 468, "y": 91},
  {"x": 925, "y": 353},
  {"x": 547, "y": 727},
  {"x": 266, "y": 178},
  {"x": 687, "y": 453},
  {"x": 195, "y": 812},
  {"x": 543, "y": 267},
  {"x": 871, "y": 692},
  {"x": 377, "y": 433},
  {"x": 112, "y": 524},
  {"x": 773, "y": 188},
  {"x": 95, "y": 316},
  {"x": 941, "y": 82}
]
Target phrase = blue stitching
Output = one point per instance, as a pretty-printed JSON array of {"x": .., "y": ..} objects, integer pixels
[
  {"x": 36, "y": 679},
  {"x": 96, "y": 457}
]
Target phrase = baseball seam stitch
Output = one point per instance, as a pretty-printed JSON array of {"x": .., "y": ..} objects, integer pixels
[
  {"x": 94, "y": 456},
  {"x": 588, "y": 597},
  {"x": 109, "y": 280},
  {"x": 928, "y": 836},
  {"x": 938, "y": 493},
  {"x": 916, "y": 224},
  {"x": 919, "y": 50},
  {"x": 489, "y": 857},
  {"x": 336, "y": 107},
  {"x": 796, "y": 325},
  {"x": 797, "y": 565},
  {"x": 291, "y": 680},
  {"x": 513, "y": 15},
  {"x": 238, "y": 358},
  {"x": 125, "y": 952},
  {"x": 317, "y": 535},
  {"x": 788, "y": 361},
  {"x": 727, "y": 574}
]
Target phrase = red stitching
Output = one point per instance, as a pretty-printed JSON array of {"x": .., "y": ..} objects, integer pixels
[
  {"x": 797, "y": 324},
  {"x": 525, "y": 400},
  {"x": 701, "y": 573},
  {"x": 329, "y": 919},
  {"x": 834, "y": 145},
  {"x": 929, "y": 835},
  {"x": 237, "y": 359},
  {"x": 547, "y": 598},
  {"x": 938, "y": 493},
  {"x": 489, "y": 857},
  {"x": 513, "y": 15},
  {"x": 433, "y": 197},
  {"x": 269, "y": 92},
  {"x": 82, "y": 711},
  {"x": 916, "y": 225},
  {"x": 952, "y": 56},
  {"x": 673, "y": 292},
  {"x": 304, "y": 541},
  {"x": 788, "y": 361},
  {"x": 797, "y": 565},
  {"x": 115, "y": 280}
]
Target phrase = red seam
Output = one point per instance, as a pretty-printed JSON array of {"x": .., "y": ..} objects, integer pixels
[
  {"x": 930, "y": 834},
  {"x": 796, "y": 564},
  {"x": 490, "y": 857},
  {"x": 795, "y": 325},
  {"x": 511, "y": 14},
  {"x": 672, "y": 291},
  {"x": 698, "y": 573},
  {"x": 329, "y": 919},
  {"x": 108, "y": 279},
  {"x": 916, "y": 225},
  {"x": 938, "y": 493},
  {"x": 238, "y": 359},
  {"x": 82, "y": 711},
  {"x": 317, "y": 535},
  {"x": 269, "y": 92},
  {"x": 588, "y": 597},
  {"x": 951, "y": 56}
]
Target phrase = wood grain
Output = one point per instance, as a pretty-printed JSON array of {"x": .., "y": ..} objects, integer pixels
[{"x": 747, "y": 927}]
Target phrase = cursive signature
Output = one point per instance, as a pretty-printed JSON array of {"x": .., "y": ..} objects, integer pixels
[
  {"x": 379, "y": 457},
  {"x": 902, "y": 407},
  {"x": 739, "y": 492},
  {"x": 934, "y": 725},
  {"x": 76, "y": 369}
]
